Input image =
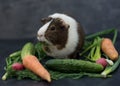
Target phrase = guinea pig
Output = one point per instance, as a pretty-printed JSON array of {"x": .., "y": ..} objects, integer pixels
[{"x": 62, "y": 35}]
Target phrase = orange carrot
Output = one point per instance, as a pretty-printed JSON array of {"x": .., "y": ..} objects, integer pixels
[
  {"x": 109, "y": 49},
  {"x": 32, "y": 63}
]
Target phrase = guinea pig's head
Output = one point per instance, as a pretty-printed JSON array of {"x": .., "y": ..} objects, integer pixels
[{"x": 54, "y": 31}]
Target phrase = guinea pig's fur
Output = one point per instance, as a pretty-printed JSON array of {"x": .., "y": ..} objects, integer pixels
[{"x": 63, "y": 36}]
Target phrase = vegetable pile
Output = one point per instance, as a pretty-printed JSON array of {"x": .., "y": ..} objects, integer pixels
[{"x": 100, "y": 59}]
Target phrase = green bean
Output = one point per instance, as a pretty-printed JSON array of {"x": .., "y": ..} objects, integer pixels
[
  {"x": 15, "y": 54},
  {"x": 115, "y": 36},
  {"x": 100, "y": 33}
]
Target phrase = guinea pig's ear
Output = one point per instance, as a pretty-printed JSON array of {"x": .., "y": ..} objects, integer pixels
[
  {"x": 45, "y": 20},
  {"x": 62, "y": 24}
]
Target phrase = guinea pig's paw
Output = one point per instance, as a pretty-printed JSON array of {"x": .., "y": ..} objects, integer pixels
[
  {"x": 46, "y": 49},
  {"x": 59, "y": 47}
]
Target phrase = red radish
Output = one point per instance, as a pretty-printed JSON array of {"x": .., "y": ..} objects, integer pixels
[
  {"x": 102, "y": 61},
  {"x": 17, "y": 66}
]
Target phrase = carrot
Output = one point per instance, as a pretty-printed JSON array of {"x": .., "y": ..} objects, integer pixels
[
  {"x": 32, "y": 63},
  {"x": 109, "y": 49}
]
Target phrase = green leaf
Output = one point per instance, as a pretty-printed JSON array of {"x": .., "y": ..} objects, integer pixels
[
  {"x": 27, "y": 74},
  {"x": 39, "y": 51}
]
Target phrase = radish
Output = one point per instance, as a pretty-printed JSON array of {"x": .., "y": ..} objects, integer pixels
[
  {"x": 17, "y": 66},
  {"x": 102, "y": 61}
]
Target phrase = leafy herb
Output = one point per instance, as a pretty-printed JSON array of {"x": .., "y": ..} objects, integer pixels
[
  {"x": 39, "y": 51},
  {"x": 27, "y": 74},
  {"x": 58, "y": 75},
  {"x": 95, "y": 52}
]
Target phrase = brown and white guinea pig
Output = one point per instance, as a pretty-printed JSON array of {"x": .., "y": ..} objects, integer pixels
[{"x": 63, "y": 36}]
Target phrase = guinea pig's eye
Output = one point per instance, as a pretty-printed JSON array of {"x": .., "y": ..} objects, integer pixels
[{"x": 52, "y": 28}]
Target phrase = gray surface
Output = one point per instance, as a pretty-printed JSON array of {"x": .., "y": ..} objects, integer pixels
[{"x": 21, "y": 18}]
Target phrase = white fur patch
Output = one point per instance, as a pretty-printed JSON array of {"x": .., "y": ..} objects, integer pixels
[
  {"x": 41, "y": 32},
  {"x": 72, "y": 37}
]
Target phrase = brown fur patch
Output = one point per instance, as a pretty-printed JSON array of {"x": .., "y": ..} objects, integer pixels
[
  {"x": 45, "y": 20},
  {"x": 81, "y": 36},
  {"x": 57, "y": 33}
]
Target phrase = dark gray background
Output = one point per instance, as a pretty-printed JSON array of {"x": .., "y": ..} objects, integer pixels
[{"x": 21, "y": 18}]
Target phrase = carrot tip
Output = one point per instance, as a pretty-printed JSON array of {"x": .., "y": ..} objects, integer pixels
[{"x": 49, "y": 79}]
